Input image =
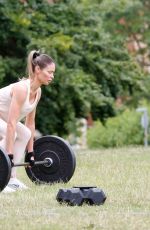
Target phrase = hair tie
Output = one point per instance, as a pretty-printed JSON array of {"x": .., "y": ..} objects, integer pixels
[{"x": 36, "y": 54}]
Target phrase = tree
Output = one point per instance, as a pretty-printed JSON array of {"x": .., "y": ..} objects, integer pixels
[{"x": 93, "y": 67}]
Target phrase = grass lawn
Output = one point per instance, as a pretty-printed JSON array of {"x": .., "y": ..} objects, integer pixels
[{"x": 124, "y": 176}]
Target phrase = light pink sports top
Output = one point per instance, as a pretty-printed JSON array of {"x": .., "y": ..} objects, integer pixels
[{"x": 5, "y": 100}]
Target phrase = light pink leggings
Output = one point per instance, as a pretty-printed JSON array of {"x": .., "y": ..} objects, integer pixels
[{"x": 22, "y": 137}]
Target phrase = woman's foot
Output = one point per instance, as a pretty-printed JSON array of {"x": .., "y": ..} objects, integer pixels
[
  {"x": 7, "y": 189},
  {"x": 15, "y": 184}
]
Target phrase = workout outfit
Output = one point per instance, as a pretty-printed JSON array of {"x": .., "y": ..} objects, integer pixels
[{"x": 23, "y": 133}]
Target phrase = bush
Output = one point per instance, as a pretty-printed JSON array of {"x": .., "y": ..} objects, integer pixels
[{"x": 125, "y": 129}]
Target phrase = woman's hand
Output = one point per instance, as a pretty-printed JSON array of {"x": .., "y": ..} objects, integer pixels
[
  {"x": 30, "y": 158},
  {"x": 11, "y": 156}
]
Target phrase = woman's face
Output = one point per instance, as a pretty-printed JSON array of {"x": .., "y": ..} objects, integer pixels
[{"x": 46, "y": 75}]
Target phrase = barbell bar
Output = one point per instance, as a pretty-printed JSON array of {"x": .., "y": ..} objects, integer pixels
[{"x": 47, "y": 163}]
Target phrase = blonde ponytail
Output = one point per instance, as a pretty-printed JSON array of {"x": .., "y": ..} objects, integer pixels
[{"x": 30, "y": 68}]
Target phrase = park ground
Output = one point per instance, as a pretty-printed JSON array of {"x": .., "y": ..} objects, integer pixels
[{"x": 122, "y": 173}]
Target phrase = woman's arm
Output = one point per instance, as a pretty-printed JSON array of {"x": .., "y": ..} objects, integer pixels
[
  {"x": 30, "y": 123},
  {"x": 18, "y": 97}
]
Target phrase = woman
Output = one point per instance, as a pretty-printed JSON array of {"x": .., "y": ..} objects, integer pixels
[{"x": 17, "y": 101}]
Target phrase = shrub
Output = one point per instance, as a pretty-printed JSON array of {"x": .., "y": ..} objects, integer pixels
[{"x": 125, "y": 129}]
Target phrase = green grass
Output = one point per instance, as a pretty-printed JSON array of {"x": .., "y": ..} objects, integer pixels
[{"x": 124, "y": 176}]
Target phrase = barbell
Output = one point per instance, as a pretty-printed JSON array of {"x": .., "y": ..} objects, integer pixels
[{"x": 54, "y": 162}]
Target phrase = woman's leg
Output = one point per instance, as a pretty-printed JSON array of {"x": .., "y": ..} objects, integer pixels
[
  {"x": 22, "y": 137},
  {"x": 21, "y": 141}
]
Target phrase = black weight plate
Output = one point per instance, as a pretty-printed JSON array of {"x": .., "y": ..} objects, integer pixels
[
  {"x": 5, "y": 169},
  {"x": 56, "y": 162},
  {"x": 63, "y": 157}
]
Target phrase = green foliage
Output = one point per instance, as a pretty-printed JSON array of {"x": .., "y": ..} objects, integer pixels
[
  {"x": 129, "y": 20},
  {"x": 135, "y": 15},
  {"x": 2, "y": 69},
  {"x": 125, "y": 129},
  {"x": 82, "y": 43},
  {"x": 93, "y": 67}
]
